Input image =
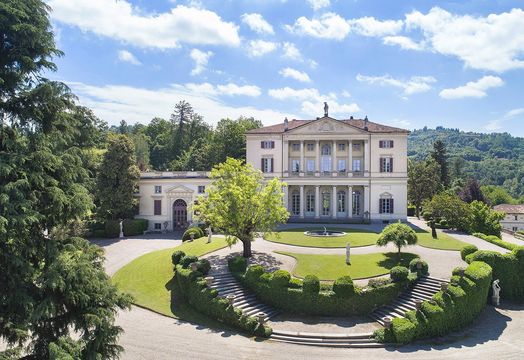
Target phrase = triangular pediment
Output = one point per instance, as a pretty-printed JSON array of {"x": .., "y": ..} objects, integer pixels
[
  {"x": 179, "y": 189},
  {"x": 325, "y": 125}
]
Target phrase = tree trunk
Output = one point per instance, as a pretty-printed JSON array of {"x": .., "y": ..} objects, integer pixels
[
  {"x": 417, "y": 211},
  {"x": 247, "y": 248},
  {"x": 433, "y": 230}
]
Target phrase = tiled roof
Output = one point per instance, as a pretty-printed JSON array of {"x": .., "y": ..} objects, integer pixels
[
  {"x": 358, "y": 123},
  {"x": 510, "y": 209}
]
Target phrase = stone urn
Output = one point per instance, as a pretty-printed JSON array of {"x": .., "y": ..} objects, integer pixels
[
  {"x": 209, "y": 280},
  {"x": 444, "y": 286},
  {"x": 387, "y": 322},
  {"x": 261, "y": 318},
  {"x": 194, "y": 266},
  {"x": 231, "y": 299},
  {"x": 418, "y": 304}
]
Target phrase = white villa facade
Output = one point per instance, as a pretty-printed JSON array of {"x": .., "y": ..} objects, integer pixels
[
  {"x": 514, "y": 216},
  {"x": 335, "y": 170}
]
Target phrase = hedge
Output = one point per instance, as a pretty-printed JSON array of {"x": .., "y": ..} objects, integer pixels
[
  {"x": 196, "y": 231},
  {"x": 449, "y": 311},
  {"x": 422, "y": 269},
  {"x": 112, "y": 229},
  {"x": 205, "y": 300},
  {"x": 496, "y": 241},
  {"x": 399, "y": 273},
  {"x": 311, "y": 285},
  {"x": 132, "y": 227},
  {"x": 237, "y": 263},
  {"x": 271, "y": 289},
  {"x": 466, "y": 250},
  {"x": 508, "y": 268}
]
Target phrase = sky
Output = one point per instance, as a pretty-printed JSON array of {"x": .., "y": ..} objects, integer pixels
[{"x": 410, "y": 64}]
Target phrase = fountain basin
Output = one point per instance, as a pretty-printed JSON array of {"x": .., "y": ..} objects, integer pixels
[{"x": 324, "y": 233}]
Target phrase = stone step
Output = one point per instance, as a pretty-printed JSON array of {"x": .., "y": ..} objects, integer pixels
[
  {"x": 412, "y": 296},
  {"x": 403, "y": 306},
  {"x": 323, "y": 339},
  {"x": 366, "y": 345},
  {"x": 225, "y": 283},
  {"x": 257, "y": 310},
  {"x": 434, "y": 279},
  {"x": 422, "y": 292},
  {"x": 395, "y": 310},
  {"x": 246, "y": 299},
  {"x": 228, "y": 288},
  {"x": 432, "y": 288},
  {"x": 236, "y": 291},
  {"x": 322, "y": 335}
]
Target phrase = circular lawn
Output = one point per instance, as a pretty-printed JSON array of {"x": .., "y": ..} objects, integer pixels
[{"x": 356, "y": 237}]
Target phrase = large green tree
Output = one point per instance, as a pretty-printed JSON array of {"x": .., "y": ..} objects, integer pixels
[
  {"x": 180, "y": 117},
  {"x": 398, "y": 234},
  {"x": 51, "y": 283},
  {"x": 117, "y": 179},
  {"x": 229, "y": 138},
  {"x": 448, "y": 207},
  {"x": 484, "y": 219},
  {"x": 241, "y": 203},
  {"x": 423, "y": 182},
  {"x": 440, "y": 155}
]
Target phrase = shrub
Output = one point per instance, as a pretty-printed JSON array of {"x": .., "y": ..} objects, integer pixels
[
  {"x": 280, "y": 279},
  {"x": 254, "y": 272},
  {"x": 177, "y": 256},
  {"x": 496, "y": 241},
  {"x": 237, "y": 264},
  {"x": 421, "y": 269},
  {"x": 399, "y": 273},
  {"x": 466, "y": 250},
  {"x": 196, "y": 231},
  {"x": 403, "y": 330},
  {"x": 378, "y": 282},
  {"x": 112, "y": 229},
  {"x": 343, "y": 286},
  {"x": 187, "y": 260},
  {"x": 311, "y": 284},
  {"x": 132, "y": 227},
  {"x": 295, "y": 283},
  {"x": 204, "y": 266},
  {"x": 99, "y": 233}
]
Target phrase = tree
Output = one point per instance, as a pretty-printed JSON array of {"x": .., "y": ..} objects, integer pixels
[
  {"x": 399, "y": 234},
  {"x": 179, "y": 118},
  {"x": 448, "y": 207},
  {"x": 141, "y": 145},
  {"x": 229, "y": 139},
  {"x": 472, "y": 192},
  {"x": 123, "y": 128},
  {"x": 241, "y": 203},
  {"x": 51, "y": 283},
  {"x": 159, "y": 132},
  {"x": 422, "y": 182},
  {"x": 117, "y": 179},
  {"x": 439, "y": 154},
  {"x": 484, "y": 219},
  {"x": 496, "y": 195}
]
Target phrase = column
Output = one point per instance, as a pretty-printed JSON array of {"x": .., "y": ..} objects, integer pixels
[
  {"x": 301, "y": 201},
  {"x": 286, "y": 197},
  {"x": 334, "y": 157},
  {"x": 302, "y": 167},
  {"x": 366, "y": 199},
  {"x": 366, "y": 157},
  {"x": 317, "y": 202},
  {"x": 285, "y": 165},
  {"x": 350, "y": 164},
  {"x": 334, "y": 201},
  {"x": 317, "y": 148},
  {"x": 350, "y": 201}
]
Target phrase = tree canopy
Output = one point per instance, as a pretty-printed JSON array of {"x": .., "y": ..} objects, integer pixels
[{"x": 399, "y": 234}]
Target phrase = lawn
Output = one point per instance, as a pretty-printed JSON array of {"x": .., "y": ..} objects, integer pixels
[
  {"x": 148, "y": 278},
  {"x": 331, "y": 267},
  {"x": 443, "y": 241},
  {"x": 356, "y": 237}
]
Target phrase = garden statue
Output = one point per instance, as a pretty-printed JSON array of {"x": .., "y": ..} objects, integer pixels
[
  {"x": 326, "y": 108},
  {"x": 191, "y": 237},
  {"x": 348, "y": 253},
  {"x": 209, "y": 234},
  {"x": 495, "y": 298},
  {"x": 165, "y": 226},
  {"x": 121, "y": 230}
]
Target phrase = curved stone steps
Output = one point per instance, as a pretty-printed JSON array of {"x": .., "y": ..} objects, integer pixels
[{"x": 327, "y": 340}]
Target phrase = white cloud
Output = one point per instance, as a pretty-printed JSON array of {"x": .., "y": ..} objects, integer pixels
[
  {"x": 327, "y": 26},
  {"x": 496, "y": 124},
  {"x": 122, "y": 21},
  {"x": 475, "y": 89},
  {"x": 318, "y": 4},
  {"x": 257, "y": 23},
  {"x": 126, "y": 56},
  {"x": 346, "y": 94},
  {"x": 227, "y": 90},
  {"x": 310, "y": 108},
  {"x": 514, "y": 112},
  {"x": 291, "y": 51},
  {"x": 404, "y": 42},
  {"x": 201, "y": 58},
  {"x": 115, "y": 102},
  {"x": 288, "y": 93},
  {"x": 416, "y": 84},
  {"x": 369, "y": 26},
  {"x": 295, "y": 74},
  {"x": 494, "y": 42},
  {"x": 261, "y": 47}
]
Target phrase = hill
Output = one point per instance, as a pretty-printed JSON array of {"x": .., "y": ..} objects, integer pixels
[{"x": 492, "y": 159}]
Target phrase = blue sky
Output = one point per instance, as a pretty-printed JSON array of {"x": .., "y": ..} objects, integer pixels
[{"x": 404, "y": 63}]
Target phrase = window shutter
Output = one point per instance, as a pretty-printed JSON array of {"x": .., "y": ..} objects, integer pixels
[
  {"x": 381, "y": 164},
  {"x": 262, "y": 165},
  {"x": 272, "y": 144},
  {"x": 391, "y": 164},
  {"x": 381, "y": 144},
  {"x": 391, "y": 211},
  {"x": 380, "y": 202},
  {"x": 158, "y": 207},
  {"x": 391, "y": 143},
  {"x": 271, "y": 170},
  {"x": 261, "y": 144}
]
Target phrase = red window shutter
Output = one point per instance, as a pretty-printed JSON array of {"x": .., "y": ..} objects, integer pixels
[
  {"x": 158, "y": 207},
  {"x": 380, "y": 201},
  {"x": 271, "y": 170},
  {"x": 261, "y": 144},
  {"x": 391, "y": 211}
]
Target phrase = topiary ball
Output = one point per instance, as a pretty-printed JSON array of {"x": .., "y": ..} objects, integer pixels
[
  {"x": 343, "y": 286},
  {"x": 311, "y": 284},
  {"x": 280, "y": 279},
  {"x": 177, "y": 256},
  {"x": 466, "y": 250},
  {"x": 187, "y": 260},
  {"x": 399, "y": 273}
]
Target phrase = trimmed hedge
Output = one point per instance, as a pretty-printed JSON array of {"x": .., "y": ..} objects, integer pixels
[
  {"x": 205, "y": 300},
  {"x": 112, "y": 229},
  {"x": 343, "y": 286},
  {"x": 457, "y": 307},
  {"x": 187, "y": 260},
  {"x": 414, "y": 267},
  {"x": 177, "y": 256},
  {"x": 237, "y": 264},
  {"x": 496, "y": 241},
  {"x": 311, "y": 285},
  {"x": 196, "y": 231},
  {"x": 132, "y": 227},
  {"x": 466, "y": 250},
  {"x": 280, "y": 279},
  {"x": 508, "y": 268},
  {"x": 399, "y": 273}
]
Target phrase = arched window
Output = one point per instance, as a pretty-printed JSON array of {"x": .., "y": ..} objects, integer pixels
[
  {"x": 310, "y": 202},
  {"x": 341, "y": 201},
  {"x": 326, "y": 149},
  {"x": 295, "y": 203}
]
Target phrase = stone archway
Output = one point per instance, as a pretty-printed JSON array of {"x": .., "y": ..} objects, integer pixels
[{"x": 179, "y": 214}]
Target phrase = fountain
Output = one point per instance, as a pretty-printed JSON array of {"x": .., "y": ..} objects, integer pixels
[{"x": 324, "y": 233}]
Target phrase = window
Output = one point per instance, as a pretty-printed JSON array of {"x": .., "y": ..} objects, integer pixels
[
  {"x": 295, "y": 203},
  {"x": 158, "y": 226},
  {"x": 386, "y": 206},
  {"x": 158, "y": 207},
  {"x": 326, "y": 163},
  {"x": 341, "y": 147},
  {"x": 356, "y": 146},
  {"x": 295, "y": 165},
  {"x": 201, "y": 189},
  {"x": 515, "y": 229},
  {"x": 158, "y": 189},
  {"x": 295, "y": 146},
  {"x": 310, "y": 146},
  {"x": 516, "y": 217},
  {"x": 268, "y": 144},
  {"x": 356, "y": 165},
  {"x": 326, "y": 149},
  {"x": 342, "y": 165},
  {"x": 386, "y": 164},
  {"x": 267, "y": 165},
  {"x": 310, "y": 202},
  {"x": 310, "y": 165},
  {"x": 356, "y": 202},
  {"x": 385, "y": 144},
  {"x": 341, "y": 201},
  {"x": 326, "y": 203}
]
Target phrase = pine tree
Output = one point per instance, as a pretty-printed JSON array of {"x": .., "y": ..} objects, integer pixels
[
  {"x": 179, "y": 119},
  {"x": 472, "y": 192},
  {"x": 439, "y": 154}
]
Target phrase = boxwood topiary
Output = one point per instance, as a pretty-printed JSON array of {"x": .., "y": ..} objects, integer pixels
[
  {"x": 311, "y": 284},
  {"x": 280, "y": 279},
  {"x": 133, "y": 227},
  {"x": 196, "y": 231},
  {"x": 343, "y": 286},
  {"x": 403, "y": 330},
  {"x": 177, "y": 256},
  {"x": 295, "y": 284},
  {"x": 254, "y": 272},
  {"x": 466, "y": 250},
  {"x": 237, "y": 264},
  {"x": 112, "y": 228},
  {"x": 187, "y": 260},
  {"x": 204, "y": 266},
  {"x": 399, "y": 273},
  {"x": 421, "y": 269}
]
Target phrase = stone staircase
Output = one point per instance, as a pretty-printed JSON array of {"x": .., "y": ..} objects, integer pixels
[
  {"x": 226, "y": 285},
  {"x": 328, "y": 340},
  {"x": 423, "y": 289}
]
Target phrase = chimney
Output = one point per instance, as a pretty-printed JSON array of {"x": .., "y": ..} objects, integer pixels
[
  {"x": 286, "y": 124},
  {"x": 366, "y": 123}
]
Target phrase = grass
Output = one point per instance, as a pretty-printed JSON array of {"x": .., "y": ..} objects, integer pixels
[
  {"x": 148, "y": 278},
  {"x": 331, "y": 267},
  {"x": 356, "y": 237},
  {"x": 443, "y": 241}
]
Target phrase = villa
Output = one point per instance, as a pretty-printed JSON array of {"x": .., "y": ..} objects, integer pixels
[
  {"x": 335, "y": 170},
  {"x": 514, "y": 216}
]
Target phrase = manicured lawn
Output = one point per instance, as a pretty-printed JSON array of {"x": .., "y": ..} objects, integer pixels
[
  {"x": 356, "y": 237},
  {"x": 331, "y": 267},
  {"x": 443, "y": 241},
  {"x": 148, "y": 278}
]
